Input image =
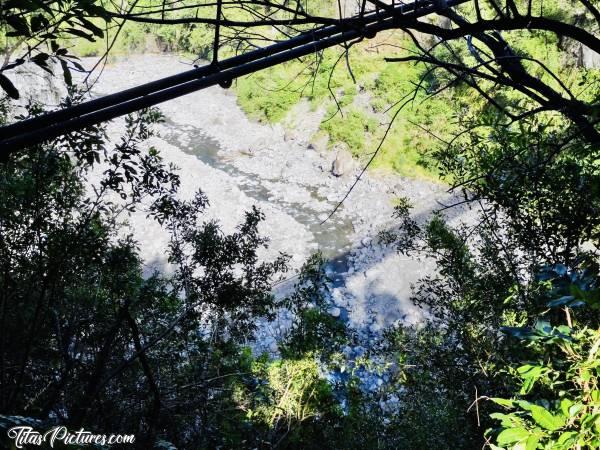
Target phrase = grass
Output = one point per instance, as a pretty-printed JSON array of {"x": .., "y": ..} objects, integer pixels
[
  {"x": 354, "y": 128},
  {"x": 264, "y": 95},
  {"x": 269, "y": 95}
]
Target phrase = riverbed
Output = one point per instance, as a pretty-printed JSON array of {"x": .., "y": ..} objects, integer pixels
[{"x": 239, "y": 163}]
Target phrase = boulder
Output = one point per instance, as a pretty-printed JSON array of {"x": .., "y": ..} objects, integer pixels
[
  {"x": 444, "y": 22},
  {"x": 335, "y": 312},
  {"x": 319, "y": 142},
  {"x": 343, "y": 162},
  {"x": 589, "y": 58},
  {"x": 37, "y": 85},
  {"x": 577, "y": 53}
]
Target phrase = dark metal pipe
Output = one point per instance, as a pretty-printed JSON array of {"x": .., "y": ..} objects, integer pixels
[{"x": 54, "y": 124}]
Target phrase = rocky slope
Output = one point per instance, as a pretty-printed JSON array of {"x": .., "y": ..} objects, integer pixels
[{"x": 239, "y": 163}]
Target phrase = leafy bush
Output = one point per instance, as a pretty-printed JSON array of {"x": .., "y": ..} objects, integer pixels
[
  {"x": 352, "y": 127},
  {"x": 558, "y": 403}
]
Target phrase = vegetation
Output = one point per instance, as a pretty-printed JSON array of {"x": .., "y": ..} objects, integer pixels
[
  {"x": 360, "y": 126},
  {"x": 119, "y": 352},
  {"x": 558, "y": 401},
  {"x": 508, "y": 357}
]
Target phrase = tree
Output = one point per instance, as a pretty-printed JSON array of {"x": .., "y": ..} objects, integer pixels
[
  {"x": 558, "y": 397},
  {"x": 527, "y": 157},
  {"x": 86, "y": 340},
  {"x": 471, "y": 43},
  {"x": 537, "y": 203}
]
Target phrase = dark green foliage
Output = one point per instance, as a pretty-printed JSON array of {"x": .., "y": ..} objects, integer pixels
[
  {"x": 85, "y": 339},
  {"x": 42, "y": 25},
  {"x": 537, "y": 192},
  {"x": 546, "y": 186},
  {"x": 314, "y": 329}
]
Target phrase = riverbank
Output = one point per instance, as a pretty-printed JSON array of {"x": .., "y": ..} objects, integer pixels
[{"x": 239, "y": 163}]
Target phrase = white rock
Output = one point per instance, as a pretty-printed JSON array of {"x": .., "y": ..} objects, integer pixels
[
  {"x": 289, "y": 172},
  {"x": 343, "y": 162},
  {"x": 335, "y": 312},
  {"x": 375, "y": 327}
]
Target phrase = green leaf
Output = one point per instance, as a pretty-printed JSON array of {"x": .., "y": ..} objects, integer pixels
[
  {"x": 19, "y": 24},
  {"x": 567, "y": 438},
  {"x": 530, "y": 374},
  {"x": 574, "y": 410},
  {"x": 95, "y": 10},
  {"x": 503, "y": 402},
  {"x": 590, "y": 420},
  {"x": 545, "y": 419},
  {"x": 66, "y": 73},
  {"x": 41, "y": 4},
  {"x": 565, "y": 404},
  {"x": 81, "y": 34},
  {"x": 524, "y": 404},
  {"x": 520, "y": 333},
  {"x": 91, "y": 27},
  {"x": 532, "y": 442},
  {"x": 585, "y": 375},
  {"x": 560, "y": 301},
  {"x": 506, "y": 420},
  {"x": 543, "y": 327},
  {"x": 38, "y": 22},
  {"x": 512, "y": 435},
  {"x": 41, "y": 60},
  {"x": 525, "y": 368},
  {"x": 9, "y": 87}
]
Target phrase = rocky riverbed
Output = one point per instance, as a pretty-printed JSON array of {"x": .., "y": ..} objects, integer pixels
[{"x": 238, "y": 162}]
